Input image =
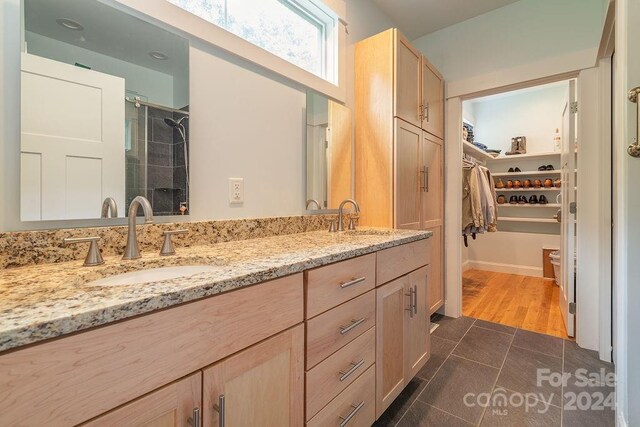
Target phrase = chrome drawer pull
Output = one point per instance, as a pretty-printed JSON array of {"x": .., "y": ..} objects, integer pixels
[
  {"x": 220, "y": 409},
  {"x": 352, "y": 282},
  {"x": 352, "y": 414},
  {"x": 354, "y": 367},
  {"x": 354, "y": 323},
  {"x": 415, "y": 299}
]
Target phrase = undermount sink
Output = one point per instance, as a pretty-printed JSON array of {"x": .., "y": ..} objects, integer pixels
[{"x": 153, "y": 275}]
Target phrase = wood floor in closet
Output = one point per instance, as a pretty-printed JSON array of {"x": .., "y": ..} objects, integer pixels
[{"x": 524, "y": 302}]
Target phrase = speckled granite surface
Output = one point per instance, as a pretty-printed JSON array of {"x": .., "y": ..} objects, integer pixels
[
  {"x": 43, "y": 247},
  {"x": 46, "y": 301}
]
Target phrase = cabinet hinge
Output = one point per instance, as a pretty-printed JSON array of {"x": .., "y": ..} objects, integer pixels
[
  {"x": 574, "y": 107},
  {"x": 572, "y": 308}
]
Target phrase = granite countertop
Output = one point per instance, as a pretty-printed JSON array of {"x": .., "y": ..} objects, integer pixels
[{"x": 47, "y": 301}]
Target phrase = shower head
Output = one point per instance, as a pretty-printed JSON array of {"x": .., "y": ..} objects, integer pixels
[{"x": 173, "y": 123}]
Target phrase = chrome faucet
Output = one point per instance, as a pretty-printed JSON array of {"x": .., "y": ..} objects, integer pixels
[
  {"x": 311, "y": 201},
  {"x": 351, "y": 223},
  {"x": 109, "y": 207},
  {"x": 132, "y": 251}
]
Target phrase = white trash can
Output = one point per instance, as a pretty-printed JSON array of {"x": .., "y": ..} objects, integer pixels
[{"x": 555, "y": 261}]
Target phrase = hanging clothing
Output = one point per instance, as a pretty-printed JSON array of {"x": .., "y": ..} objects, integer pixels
[{"x": 479, "y": 201}]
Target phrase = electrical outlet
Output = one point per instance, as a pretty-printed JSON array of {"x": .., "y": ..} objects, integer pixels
[{"x": 236, "y": 191}]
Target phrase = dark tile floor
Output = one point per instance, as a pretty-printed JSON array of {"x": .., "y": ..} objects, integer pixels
[{"x": 486, "y": 374}]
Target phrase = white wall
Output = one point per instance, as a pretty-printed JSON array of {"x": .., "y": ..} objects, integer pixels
[
  {"x": 245, "y": 122},
  {"x": 535, "y": 114},
  {"x": 523, "y": 32},
  {"x": 497, "y": 252}
]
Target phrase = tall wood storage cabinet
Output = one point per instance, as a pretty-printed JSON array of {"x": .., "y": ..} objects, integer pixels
[{"x": 399, "y": 121}]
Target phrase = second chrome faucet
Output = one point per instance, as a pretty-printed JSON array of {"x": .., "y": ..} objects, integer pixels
[{"x": 131, "y": 251}]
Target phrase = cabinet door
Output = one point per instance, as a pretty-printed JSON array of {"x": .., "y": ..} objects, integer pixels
[
  {"x": 408, "y": 97},
  {"x": 260, "y": 386},
  {"x": 407, "y": 175},
  {"x": 433, "y": 100},
  {"x": 416, "y": 339},
  {"x": 173, "y": 405},
  {"x": 436, "y": 284},
  {"x": 432, "y": 181},
  {"x": 392, "y": 303}
]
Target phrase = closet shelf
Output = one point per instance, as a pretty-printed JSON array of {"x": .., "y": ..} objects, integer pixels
[
  {"x": 531, "y": 190},
  {"x": 532, "y": 220},
  {"x": 527, "y": 156},
  {"x": 526, "y": 173},
  {"x": 548, "y": 205},
  {"x": 474, "y": 151}
]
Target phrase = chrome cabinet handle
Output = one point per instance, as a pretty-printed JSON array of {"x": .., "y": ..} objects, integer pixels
[
  {"x": 410, "y": 309},
  {"x": 354, "y": 323},
  {"x": 219, "y": 408},
  {"x": 426, "y": 109},
  {"x": 356, "y": 408},
  {"x": 352, "y": 282},
  {"x": 194, "y": 421},
  {"x": 634, "y": 149},
  {"x": 426, "y": 179},
  {"x": 354, "y": 367},
  {"x": 423, "y": 172},
  {"x": 415, "y": 299}
]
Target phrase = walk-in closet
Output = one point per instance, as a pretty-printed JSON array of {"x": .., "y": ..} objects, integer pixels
[{"x": 518, "y": 217}]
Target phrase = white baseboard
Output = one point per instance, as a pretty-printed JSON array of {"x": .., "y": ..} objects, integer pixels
[
  {"x": 622, "y": 422},
  {"x": 522, "y": 270}
]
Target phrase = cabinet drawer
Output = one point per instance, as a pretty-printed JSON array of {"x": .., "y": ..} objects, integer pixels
[
  {"x": 356, "y": 401},
  {"x": 331, "y": 285},
  {"x": 326, "y": 380},
  {"x": 334, "y": 329},
  {"x": 395, "y": 262}
]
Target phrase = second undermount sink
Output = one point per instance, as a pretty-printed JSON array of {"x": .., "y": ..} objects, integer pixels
[{"x": 153, "y": 275}]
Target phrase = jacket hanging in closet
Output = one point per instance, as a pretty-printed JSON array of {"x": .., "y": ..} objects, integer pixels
[{"x": 479, "y": 201}]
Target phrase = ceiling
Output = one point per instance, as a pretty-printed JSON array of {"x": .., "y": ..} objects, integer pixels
[
  {"x": 110, "y": 32},
  {"x": 417, "y": 18}
]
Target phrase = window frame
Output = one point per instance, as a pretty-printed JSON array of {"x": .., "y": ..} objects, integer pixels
[{"x": 192, "y": 26}]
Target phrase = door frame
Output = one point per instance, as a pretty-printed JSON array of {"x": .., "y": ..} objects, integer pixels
[{"x": 587, "y": 336}]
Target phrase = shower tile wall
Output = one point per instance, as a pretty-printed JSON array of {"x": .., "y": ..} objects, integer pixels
[{"x": 166, "y": 183}]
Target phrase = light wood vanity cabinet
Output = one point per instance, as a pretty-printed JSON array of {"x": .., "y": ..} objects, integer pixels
[
  {"x": 399, "y": 128},
  {"x": 262, "y": 385},
  {"x": 328, "y": 347},
  {"x": 402, "y": 333},
  {"x": 173, "y": 405}
]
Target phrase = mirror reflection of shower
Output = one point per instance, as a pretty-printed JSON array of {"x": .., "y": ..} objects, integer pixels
[
  {"x": 157, "y": 155},
  {"x": 183, "y": 133}
]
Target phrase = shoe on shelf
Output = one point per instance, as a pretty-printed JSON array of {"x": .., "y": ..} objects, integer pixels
[
  {"x": 557, "y": 183},
  {"x": 517, "y": 170},
  {"x": 543, "y": 200},
  {"x": 513, "y": 200},
  {"x": 499, "y": 184},
  {"x": 548, "y": 183},
  {"x": 522, "y": 200},
  {"x": 542, "y": 168},
  {"x": 533, "y": 200},
  {"x": 527, "y": 183},
  {"x": 537, "y": 183},
  {"x": 502, "y": 199},
  {"x": 509, "y": 184},
  {"x": 517, "y": 184},
  {"x": 549, "y": 167},
  {"x": 510, "y": 170}
]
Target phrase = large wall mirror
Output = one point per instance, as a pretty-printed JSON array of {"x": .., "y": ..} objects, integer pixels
[
  {"x": 104, "y": 112},
  {"x": 329, "y": 153}
]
